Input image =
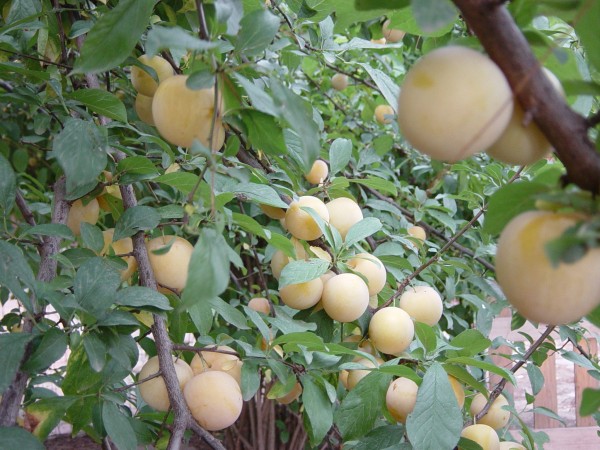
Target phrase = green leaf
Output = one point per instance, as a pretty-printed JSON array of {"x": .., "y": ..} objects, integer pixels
[
  {"x": 587, "y": 29},
  {"x": 17, "y": 437},
  {"x": 363, "y": 405},
  {"x": 388, "y": 87},
  {"x": 468, "y": 444},
  {"x": 136, "y": 219},
  {"x": 264, "y": 131},
  {"x": 142, "y": 297},
  {"x": 12, "y": 348},
  {"x": 96, "y": 351},
  {"x": 92, "y": 237},
  {"x": 484, "y": 366},
  {"x": 317, "y": 407},
  {"x": 201, "y": 315},
  {"x": 118, "y": 427},
  {"x": 250, "y": 379},
  {"x": 340, "y": 153},
  {"x": 80, "y": 149},
  {"x": 136, "y": 168},
  {"x": 14, "y": 271},
  {"x": 95, "y": 285},
  {"x": 114, "y": 36},
  {"x": 432, "y": 15},
  {"x": 594, "y": 316},
  {"x": 249, "y": 224},
  {"x": 208, "y": 273},
  {"x": 436, "y": 409},
  {"x": 51, "y": 229},
  {"x": 302, "y": 271},
  {"x": 379, "y": 184},
  {"x": 260, "y": 193},
  {"x": 8, "y": 186},
  {"x": 182, "y": 181},
  {"x": 387, "y": 437},
  {"x": 50, "y": 349},
  {"x": 49, "y": 411},
  {"x": 366, "y": 5},
  {"x": 258, "y": 29},
  {"x": 174, "y": 38},
  {"x": 471, "y": 342},
  {"x": 231, "y": 315},
  {"x": 590, "y": 402},
  {"x": 404, "y": 19},
  {"x": 259, "y": 99},
  {"x": 426, "y": 336},
  {"x": 306, "y": 339},
  {"x": 201, "y": 79},
  {"x": 509, "y": 201},
  {"x": 363, "y": 229},
  {"x": 101, "y": 102}
]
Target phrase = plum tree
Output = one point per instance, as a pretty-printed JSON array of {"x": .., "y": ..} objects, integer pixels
[
  {"x": 339, "y": 81},
  {"x": 170, "y": 266},
  {"x": 143, "y": 108},
  {"x": 216, "y": 360},
  {"x": 355, "y": 375},
  {"x": 143, "y": 82},
  {"x": 454, "y": 103},
  {"x": 417, "y": 232},
  {"x": 260, "y": 304},
  {"x": 89, "y": 213},
  {"x": 278, "y": 261},
  {"x": 382, "y": 112},
  {"x": 182, "y": 114},
  {"x": 391, "y": 330},
  {"x": 318, "y": 172},
  {"x": 302, "y": 295},
  {"x": 120, "y": 247},
  {"x": 272, "y": 211},
  {"x": 154, "y": 391},
  {"x": 300, "y": 223},
  {"x": 214, "y": 398},
  {"x": 484, "y": 435},
  {"x": 496, "y": 417},
  {"x": 372, "y": 269},
  {"x": 422, "y": 303},
  {"x": 343, "y": 213},
  {"x": 401, "y": 397},
  {"x": 345, "y": 297},
  {"x": 536, "y": 287}
]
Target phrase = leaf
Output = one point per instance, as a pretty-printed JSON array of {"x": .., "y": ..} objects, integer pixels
[
  {"x": 101, "y": 102},
  {"x": 208, "y": 273},
  {"x": 114, "y": 36},
  {"x": 14, "y": 271},
  {"x": 379, "y": 184},
  {"x": 231, "y": 315},
  {"x": 258, "y": 30},
  {"x": 250, "y": 379},
  {"x": 174, "y": 38},
  {"x": 51, "y": 229},
  {"x": 363, "y": 405},
  {"x": 118, "y": 427},
  {"x": 96, "y": 350},
  {"x": 12, "y": 348},
  {"x": 387, "y": 437},
  {"x": 471, "y": 342},
  {"x": 141, "y": 297},
  {"x": 590, "y": 402},
  {"x": 317, "y": 407},
  {"x": 484, "y": 366},
  {"x": 17, "y": 437},
  {"x": 302, "y": 271},
  {"x": 80, "y": 149},
  {"x": 432, "y": 15},
  {"x": 92, "y": 237},
  {"x": 388, "y": 87},
  {"x": 509, "y": 201},
  {"x": 587, "y": 29},
  {"x": 50, "y": 349},
  {"x": 182, "y": 181},
  {"x": 594, "y": 316},
  {"x": 96, "y": 285},
  {"x": 264, "y": 131},
  {"x": 260, "y": 193},
  {"x": 436, "y": 409},
  {"x": 362, "y": 229},
  {"x": 366, "y": 5},
  {"x": 8, "y": 186},
  {"x": 48, "y": 412},
  {"x": 306, "y": 339},
  {"x": 136, "y": 219},
  {"x": 259, "y": 99},
  {"x": 426, "y": 336},
  {"x": 340, "y": 153}
]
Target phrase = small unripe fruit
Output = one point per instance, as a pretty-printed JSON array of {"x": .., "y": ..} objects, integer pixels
[
  {"x": 143, "y": 108},
  {"x": 318, "y": 172},
  {"x": 496, "y": 417},
  {"x": 390, "y": 34},
  {"x": 538, "y": 290},
  {"x": 170, "y": 268},
  {"x": 260, "y": 304},
  {"x": 278, "y": 261},
  {"x": 339, "y": 81},
  {"x": 372, "y": 269},
  {"x": 79, "y": 212},
  {"x": 511, "y": 446},
  {"x": 224, "y": 362},
  {"x": 182, "y": 114},
  {"x": 485, "y": 436},
  {"x": 423, "y": 304},
  {"x": 273, "y": 212},
  {"x": 291, "y": 396},
  {"x": 345, "y": 297},
  {"x": 459, "y": 391},
  {"x": 120, "y": 247},
  {"x": 417, "y": 232},
  {"x": 401, "y": 398},
  {"x": 154, "y": 391},
  {"x": 391, "y": 330},
  {"x": 143, "y": 82},
  {"x": 300, "y": 223},
  {"x": 343, "y": 213},
  {"x": 215, "y": 399},
  {"x": 302, "y": 295},
  {"x": 454, "y": 103},
  {"x": 355, "y": 375},
  {"x": 381, "y": 113}
]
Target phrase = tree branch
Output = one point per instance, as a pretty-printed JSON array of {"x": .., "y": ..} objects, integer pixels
[{"x": 566, "y": 130}]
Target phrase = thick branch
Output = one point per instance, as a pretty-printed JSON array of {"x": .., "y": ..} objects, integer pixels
[{"x": 566, "y": 130}]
